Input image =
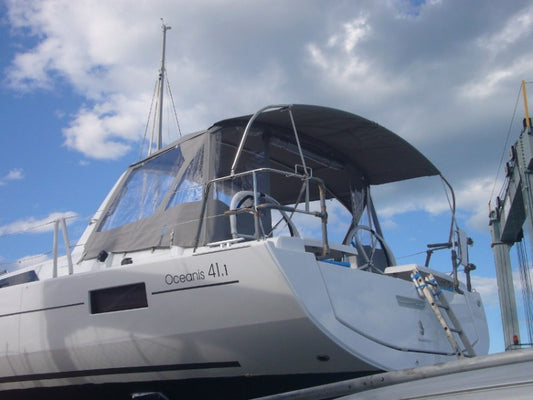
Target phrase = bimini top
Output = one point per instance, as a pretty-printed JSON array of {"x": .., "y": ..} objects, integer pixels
[{"x": 378, "y": 154}]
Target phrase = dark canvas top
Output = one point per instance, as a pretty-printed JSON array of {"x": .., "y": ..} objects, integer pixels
[{"x": 380, "y": 155}]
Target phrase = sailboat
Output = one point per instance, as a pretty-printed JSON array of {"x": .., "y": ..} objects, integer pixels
[{"x": 199, "y": 271}]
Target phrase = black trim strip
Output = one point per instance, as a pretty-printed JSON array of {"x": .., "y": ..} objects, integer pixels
[
  {"x": 42, "y": 309},
  {"x": 195, "y": 287},
  {"x": 119, "y": 370}
]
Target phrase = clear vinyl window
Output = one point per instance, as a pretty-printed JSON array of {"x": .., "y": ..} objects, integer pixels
[
  {"x": 144, "y": 190},
  {"x": 189, "y": 188}
]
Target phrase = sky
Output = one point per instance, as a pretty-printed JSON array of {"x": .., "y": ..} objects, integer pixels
[{"x": 77, "y": 79}]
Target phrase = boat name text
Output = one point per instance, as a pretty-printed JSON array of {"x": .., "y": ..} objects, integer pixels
[{"x": 214, "y": 271}]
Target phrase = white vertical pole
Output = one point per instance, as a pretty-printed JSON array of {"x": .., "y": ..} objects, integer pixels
[
  {"x": 67, "y": 245},
  {"x": 56, "y": 229},
  {"x": 165, "y": 28}
]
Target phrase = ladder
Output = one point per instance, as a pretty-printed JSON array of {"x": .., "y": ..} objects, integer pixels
[{"x": 427, "y": 287}]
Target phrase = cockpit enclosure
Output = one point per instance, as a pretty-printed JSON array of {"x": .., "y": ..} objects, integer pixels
[{"x": 247, "y": 177}]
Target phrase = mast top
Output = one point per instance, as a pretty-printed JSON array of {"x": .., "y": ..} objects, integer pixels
[{"x": 164, "y": 27}]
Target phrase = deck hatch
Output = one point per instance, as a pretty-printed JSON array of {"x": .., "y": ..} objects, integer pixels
[{"x": 118, "y": 298}]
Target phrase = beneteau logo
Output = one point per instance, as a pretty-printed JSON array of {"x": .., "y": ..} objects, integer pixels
[{"x": 183, "y": 278}]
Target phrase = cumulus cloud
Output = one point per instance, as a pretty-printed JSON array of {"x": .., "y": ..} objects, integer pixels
[
  {"x": 516, "y": 29},
  {"x": 339, "y": 55},
  {"x": 111, "y": 58},
  {"x": 100, "y": 54},
  {"x": 418, "y": 68},
  {"x": 103, "y": 131}
]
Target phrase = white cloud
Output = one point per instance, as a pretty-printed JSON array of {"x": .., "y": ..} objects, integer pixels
[
  {"x": 105, "y": 130},
  {"x": 473, "y": 197},
  {"x": 343, "y": 62},
  {"x": 423, "y": 194},
  {"x": 76, "y": 41},
  {"x": 505, "y": 60},
  {"x": 428, "y": 195},
  {"x": 97, "y": 48},
  {"x": 491, "y": 80},
  {"x": 488, "y": 289},
  {"x": 33, "y": 225},
  {"x": 403, "y": 72},
  {"x": 109, "y": 53},
  {"x": 517, "y": 27},
  {"x": 15, "y": 174}
]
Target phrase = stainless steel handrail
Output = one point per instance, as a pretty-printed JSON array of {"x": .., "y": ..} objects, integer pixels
[{"x": 257, "y": 208}]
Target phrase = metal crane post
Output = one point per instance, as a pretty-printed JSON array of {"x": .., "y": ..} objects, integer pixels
[
  {"x": 504, "y": 278},
  {"x": 507, "y": 224}
]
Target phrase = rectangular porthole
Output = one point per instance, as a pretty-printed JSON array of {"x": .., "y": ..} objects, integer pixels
[
  {"x": 19, "y": 279},
  {"x": 118, "y": 298}
]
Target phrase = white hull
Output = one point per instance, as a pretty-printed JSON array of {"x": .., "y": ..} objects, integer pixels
[{"x": 264, "y": 312}]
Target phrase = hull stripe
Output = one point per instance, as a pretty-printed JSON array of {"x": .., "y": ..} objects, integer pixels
[
  {"x": 42, "y": 309},
  {"x": 195, "y": 287},
  {"x": 119, "y": 370}
]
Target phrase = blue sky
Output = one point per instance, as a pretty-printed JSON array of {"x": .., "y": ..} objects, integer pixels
[{"x": 77, "y": 79}]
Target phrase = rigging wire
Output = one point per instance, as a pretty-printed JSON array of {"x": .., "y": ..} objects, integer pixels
[
  {"x": 148, "y": 121},
  {"x": 411, "y": 255},
  {"x": 155, "y": 101},
  {"x": 505, "y": 146},
  {"x": 174, "y": 108}
]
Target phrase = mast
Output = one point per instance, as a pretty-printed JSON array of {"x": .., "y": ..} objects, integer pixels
[
  {"x": 165, "y": 28},
  {"x": 160, "y": 91}
]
